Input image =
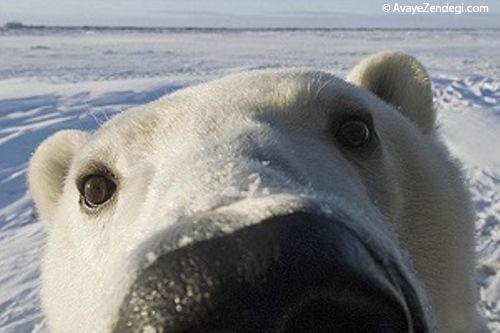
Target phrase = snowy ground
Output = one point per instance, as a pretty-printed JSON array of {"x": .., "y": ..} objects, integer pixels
[{"x": 55, "y": 80}]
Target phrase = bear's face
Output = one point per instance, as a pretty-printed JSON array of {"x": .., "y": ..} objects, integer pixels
[{"x": 193, "y": 212}]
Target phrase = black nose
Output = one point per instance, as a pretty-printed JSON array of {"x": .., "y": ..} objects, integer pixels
[{"x": 300, "y": 272}]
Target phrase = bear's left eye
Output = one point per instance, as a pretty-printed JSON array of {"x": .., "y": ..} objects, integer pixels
[
  {"x": 97, "y": 189},
  {"x": 354, "y": 133}
]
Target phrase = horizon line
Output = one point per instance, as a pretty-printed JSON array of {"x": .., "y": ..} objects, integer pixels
[{"x": 15, "y": 25}]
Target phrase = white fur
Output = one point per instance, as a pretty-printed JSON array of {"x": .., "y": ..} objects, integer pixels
[
  {"x": 400, "y": 80},
  {"x": 221, "y": 146}
]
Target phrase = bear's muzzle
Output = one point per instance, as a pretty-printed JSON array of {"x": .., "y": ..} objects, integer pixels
[{"x": 299, "y": 272}]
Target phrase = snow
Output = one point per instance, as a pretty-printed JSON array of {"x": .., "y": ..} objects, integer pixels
[{"x": 51, "y": 80}]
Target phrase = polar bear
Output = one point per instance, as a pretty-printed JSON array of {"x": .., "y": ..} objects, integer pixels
[{"x": 267, "y": 201}]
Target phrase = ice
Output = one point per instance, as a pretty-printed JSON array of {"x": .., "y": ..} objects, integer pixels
[
  {"x": 57, "y": 79},
  {"x": 151, "y": 257}
]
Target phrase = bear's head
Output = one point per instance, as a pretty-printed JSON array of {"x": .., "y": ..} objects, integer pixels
[{"x": 268, "y": 201}]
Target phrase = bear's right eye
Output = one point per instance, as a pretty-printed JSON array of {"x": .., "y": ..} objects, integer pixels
[
  {"x": 96, "y": 190},
  {"x": 354, "y": 133}
]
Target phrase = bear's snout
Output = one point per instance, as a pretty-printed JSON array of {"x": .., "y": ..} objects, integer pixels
[{"x": 299, "y": 272}]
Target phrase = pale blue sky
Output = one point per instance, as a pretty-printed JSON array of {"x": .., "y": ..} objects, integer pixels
[{"x": 238, "y": 13}]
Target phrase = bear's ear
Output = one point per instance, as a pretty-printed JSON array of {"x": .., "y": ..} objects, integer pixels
[
  {"x": 400, "y": 80},
  {"x": 49, "y": 167}
]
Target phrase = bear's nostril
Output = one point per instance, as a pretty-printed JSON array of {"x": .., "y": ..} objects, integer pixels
[{"x": 354, "y": 315}]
